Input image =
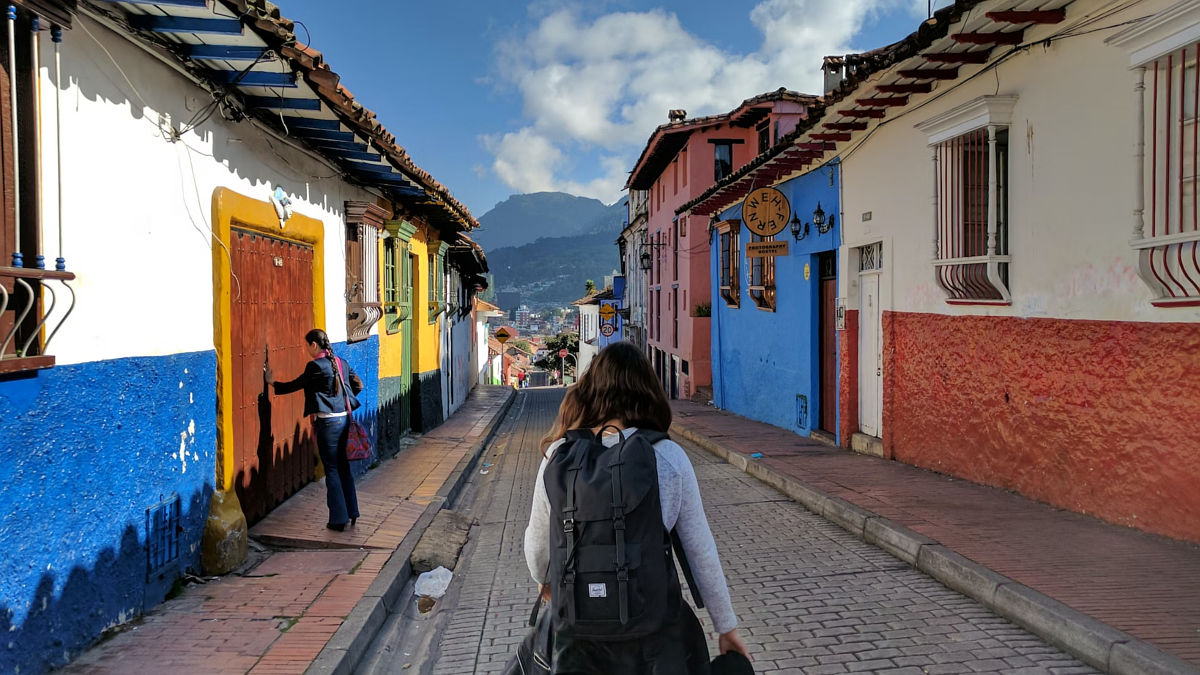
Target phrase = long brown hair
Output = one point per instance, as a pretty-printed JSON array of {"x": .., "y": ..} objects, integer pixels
[
  {"x": 618, "y": 384},
  {"x": 321, "y": 339}
]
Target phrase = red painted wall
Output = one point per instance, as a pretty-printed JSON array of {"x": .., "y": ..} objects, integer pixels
[
  {"x": 848, "y": 379},
  {"x": 1099, "y": 417}
]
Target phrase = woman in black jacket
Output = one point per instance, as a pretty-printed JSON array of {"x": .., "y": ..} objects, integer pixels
[{"x": 325, "y": 399}]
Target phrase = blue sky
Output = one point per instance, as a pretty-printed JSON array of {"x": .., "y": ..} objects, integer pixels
[{"x": 495, "y": 98}]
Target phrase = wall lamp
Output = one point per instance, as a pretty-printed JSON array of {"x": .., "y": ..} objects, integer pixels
[
  {"x": 646, "y": 258},
  {"x": 800, "y": 229}
]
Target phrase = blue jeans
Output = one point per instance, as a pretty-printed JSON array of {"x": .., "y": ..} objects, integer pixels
[{"x": 339, "y": 482}]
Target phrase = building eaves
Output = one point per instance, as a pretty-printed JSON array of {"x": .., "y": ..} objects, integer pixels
[
  {"x": 238, "y": 59},
  {"x": 854, "y": 108},
  {"x": 667, "y": 139},
  {"x": 279, "y": 31}
]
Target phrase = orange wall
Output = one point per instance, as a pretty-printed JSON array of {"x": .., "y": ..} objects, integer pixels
[{"x": 1099, "y": 417}]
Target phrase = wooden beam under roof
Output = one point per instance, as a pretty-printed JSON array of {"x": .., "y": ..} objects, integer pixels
[
  {"x": 930, "y": 73},
  {"x": 883, "y": 101},
  {"x": 980, "y": 56},
  {"x": 1029, "y": 16},
  {"x": 911, "y": 88},
  {"x": 997, "y": 38},
  {"x": 845, "y": 126},
  {"x": 830, "y": 137},
  {"x": 819, "y": 146},
  {"x": 869, "y": 112}
]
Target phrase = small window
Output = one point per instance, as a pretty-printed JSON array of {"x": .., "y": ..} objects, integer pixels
[
  {"x": 391, "y": 286},
  {"x": 764, "y": 136},
  {"x": 729, "y": 252},
  {"x": 684, "y": 367},
  {"x": 762, "y": 278},
  {"x": 683, "y": 167},
  {"x": 722, "y": 159}
]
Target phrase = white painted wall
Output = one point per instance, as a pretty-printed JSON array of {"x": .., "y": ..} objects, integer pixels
[
  {"x": 137, "y": 208},
  {"x": 1071, "y": 186},
  {"x": 589, "y": 330}
]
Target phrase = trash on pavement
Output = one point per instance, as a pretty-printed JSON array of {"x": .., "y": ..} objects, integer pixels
[
  {"x": 756, "y": 455},
  {"x": 433, "y": 584}
]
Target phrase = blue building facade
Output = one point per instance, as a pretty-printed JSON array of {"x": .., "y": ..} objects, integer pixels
[
  {"x": 767, "y": 365},
  {"x": 108, "y": 470}
]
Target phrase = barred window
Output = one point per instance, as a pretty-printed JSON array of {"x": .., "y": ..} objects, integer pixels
[
  {"x": 762, "y": 278},
  {"x": 971, "y": 210}
]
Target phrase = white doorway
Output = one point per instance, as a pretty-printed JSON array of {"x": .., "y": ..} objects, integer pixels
[{"x": 870, "y": 341}]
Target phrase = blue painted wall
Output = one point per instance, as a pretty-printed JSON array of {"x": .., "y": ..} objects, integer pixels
[
  {"x": 363, "y": 357},
  {"x": 765, "y": 364},
  {"x": 85, "y": 450}
]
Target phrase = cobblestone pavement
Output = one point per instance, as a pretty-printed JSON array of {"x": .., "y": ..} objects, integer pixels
[{"x": 810, "y": 597}]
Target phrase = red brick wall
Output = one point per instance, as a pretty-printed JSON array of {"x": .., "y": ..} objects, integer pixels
[{"x": 1099, "y": 417}]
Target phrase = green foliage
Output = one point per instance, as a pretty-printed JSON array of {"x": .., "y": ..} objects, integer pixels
[
  {"x": 568, "y": 341},
  {"x": 524, "y": 346},
  {"x": 703, "y": 309},
  {"x": 589, "y": 286}
]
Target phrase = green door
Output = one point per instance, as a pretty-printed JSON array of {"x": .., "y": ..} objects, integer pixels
[{"x": 408, "y": 342}]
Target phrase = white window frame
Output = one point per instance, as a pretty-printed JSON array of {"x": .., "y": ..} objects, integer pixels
[
  {"x": 993, "y": 113},
  {"x": 1166, "y": 248}
]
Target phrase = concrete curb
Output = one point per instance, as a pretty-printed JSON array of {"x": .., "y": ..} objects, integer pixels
[
  {"x": 1094, "y": 642},
  {"x": 345, "y": 650}
]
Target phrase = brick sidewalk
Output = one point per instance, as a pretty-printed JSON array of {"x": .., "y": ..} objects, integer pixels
[
  {"x": 1145, "y": 585},
  {"x": 279, "y": 616}
]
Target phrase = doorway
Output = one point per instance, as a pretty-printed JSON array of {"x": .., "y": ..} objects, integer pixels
[
  {"x": 870, "y": 341},
  {"x": 274, "y": 451},
  {"x": 828, "y": 373}
]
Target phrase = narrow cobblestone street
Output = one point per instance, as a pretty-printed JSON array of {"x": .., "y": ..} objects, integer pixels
[{"x": 810, "y": 597}]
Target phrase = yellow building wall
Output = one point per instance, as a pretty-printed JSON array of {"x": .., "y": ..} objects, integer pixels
[
  {"x": 428, "y": 334},
  {"x": 391, "y": 345}
]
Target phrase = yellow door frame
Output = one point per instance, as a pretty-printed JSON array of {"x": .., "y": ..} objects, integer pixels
[{"x": 230, "y": 210}]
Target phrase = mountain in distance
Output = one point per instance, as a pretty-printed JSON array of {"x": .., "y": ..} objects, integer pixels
[
  {"x": 525, "y": 218},
  {"x": 551, "y": 271}
]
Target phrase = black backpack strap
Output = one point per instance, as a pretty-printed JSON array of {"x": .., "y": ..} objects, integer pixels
[
  {"x": 575, "y": 464},
  {"x": 618, "y": 507},
  {"x": 677, "y": 544}
]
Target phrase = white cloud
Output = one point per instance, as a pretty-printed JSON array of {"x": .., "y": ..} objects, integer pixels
[{"x": 602, "y": 85}]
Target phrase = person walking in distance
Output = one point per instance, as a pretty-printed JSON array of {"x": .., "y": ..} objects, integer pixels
[
  {"x": 324, "y": 382},
  {"x": 607, "y": 459}
]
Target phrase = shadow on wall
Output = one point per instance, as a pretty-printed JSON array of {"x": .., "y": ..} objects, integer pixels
[
  {"x": 181, "y": 172},
  {"x": 59, "y": 625}
]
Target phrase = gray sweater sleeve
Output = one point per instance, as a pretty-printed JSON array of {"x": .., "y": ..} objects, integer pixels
[
  {"x": 682, "y": 509},
  {"x": 681, "y": 493}
]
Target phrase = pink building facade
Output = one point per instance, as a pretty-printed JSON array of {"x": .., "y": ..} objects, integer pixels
[{"x": 682, "y": 159}]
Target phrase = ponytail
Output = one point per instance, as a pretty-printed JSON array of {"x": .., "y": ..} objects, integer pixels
[{"x": 321, "y": 339}]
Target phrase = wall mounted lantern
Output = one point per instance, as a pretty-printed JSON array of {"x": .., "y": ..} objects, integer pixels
[
  {"x": 646, "y": 258},
  {"x": 799, "y": 229},
  {"x": 819, "y": 220}
]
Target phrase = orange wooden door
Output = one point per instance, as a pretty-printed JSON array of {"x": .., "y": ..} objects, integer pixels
[
  {"x": 272, "y": 309},
  {"x": 828, "y": 374}
]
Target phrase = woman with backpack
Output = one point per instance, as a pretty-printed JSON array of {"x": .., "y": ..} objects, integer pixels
[
  {"x": 322, "y": 382},
  {"x": 616, "y": 604}
]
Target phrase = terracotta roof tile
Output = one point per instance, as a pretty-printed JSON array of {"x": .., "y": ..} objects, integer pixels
[{"x": 279, "y": 33}]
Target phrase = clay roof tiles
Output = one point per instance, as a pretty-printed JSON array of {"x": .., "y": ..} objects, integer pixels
[{"x": 279, "y": 33}]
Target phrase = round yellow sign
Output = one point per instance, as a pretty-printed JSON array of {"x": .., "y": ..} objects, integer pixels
[{"x": 766, "y": 211}]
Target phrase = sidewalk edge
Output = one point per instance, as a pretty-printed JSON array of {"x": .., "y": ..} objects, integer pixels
[
  {"x": 1092, "y": 641},
  {"x": 345, "y": 650}
]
